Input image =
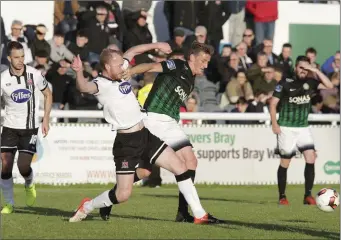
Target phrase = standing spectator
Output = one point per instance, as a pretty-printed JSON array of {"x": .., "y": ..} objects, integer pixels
[
  {"x": 245, "y": 61},
  {"x": 3, "y": 32},
  {"x": 332, "y": 64},
  {"x": 58, "y": 49},
  {"x": 200, "y": 35},
  {"x": 115, "y": 20},
  {"x": 239, "y": 87},
  {"x": 178, "y": 39},
  {"x": 265, "y": 14},
  {"x": 39, "y": 43},
  {"x": 131, "y": 8},
  {"x": 213, "y": 17},
  {"x": 267, "y": 49},
  {"x": 184, "y": 14},
  {"x": 236, "y": 22},
  {"x": 139, "y": 34},
  {"x": 65, "y": 19},
  {"x": 285, "y": 62},
  {"x": 98, "y": 33},
  {"x": 311, "y": 53},
  {"x": 17, "y": 35}
]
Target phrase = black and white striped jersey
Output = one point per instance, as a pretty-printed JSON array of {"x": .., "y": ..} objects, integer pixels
[{"x": 21, "y": 96}]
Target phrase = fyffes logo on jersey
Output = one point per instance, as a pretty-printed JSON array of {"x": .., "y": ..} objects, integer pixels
[
  {"x": 300, "y": 99},
  {"x": 21, "y": 95},
  {"x": 182, "y": 94},
  {"x": 125, "y": 88},
  {"x": 332, "y": 167}
]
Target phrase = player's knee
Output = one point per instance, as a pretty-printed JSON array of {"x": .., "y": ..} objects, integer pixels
[
  {"x": 285, "y": 163},
  {"x": 310, "y": 156},
  {"x": 6, "y": 162},
  {"x": 142, "y": 173},
  {"x": 122, "y": 195}
]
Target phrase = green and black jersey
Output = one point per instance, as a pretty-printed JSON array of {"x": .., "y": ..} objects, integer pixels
[
  {"x": 295, "y": 101},
  {"x": 170, "y": 89}
]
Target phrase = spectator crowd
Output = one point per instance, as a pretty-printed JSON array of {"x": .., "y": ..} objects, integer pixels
[{"x": 239, "y": 78}]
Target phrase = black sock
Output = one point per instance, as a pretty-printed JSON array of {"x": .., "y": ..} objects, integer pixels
[
  {"x": 309, "y": 175},
  {"x": 183, "y": 205},
  {"x": 282, "y": 180}
]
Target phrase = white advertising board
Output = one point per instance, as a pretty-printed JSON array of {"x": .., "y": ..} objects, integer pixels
[{"x": 226, "y": 154}]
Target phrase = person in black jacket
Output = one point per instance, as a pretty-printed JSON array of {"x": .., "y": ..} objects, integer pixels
[
  {"x": 97, "y": 31},
  {"x": 183, "y": 14},
  {"x": 215, "y": 14},
  {"x": 138, "y": 34}
]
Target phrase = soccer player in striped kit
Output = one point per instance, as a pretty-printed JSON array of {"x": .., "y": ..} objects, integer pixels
[
  {"x": 20, "y": 88},
  {"x": 293, "y": 95}
]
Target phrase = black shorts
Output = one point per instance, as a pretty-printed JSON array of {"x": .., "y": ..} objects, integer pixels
[
  {"x": 23, "y": 140},
  {"x": 131, "y": 150}
]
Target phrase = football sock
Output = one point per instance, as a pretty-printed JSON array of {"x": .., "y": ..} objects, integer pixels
[
  {"x": 112, "y": 195},
  {"x": 282, "y": 180},
  {"x": 183, "y": 205},
  {"x": 105, "y": 199},
  {"x": 309, "y": 175},
  {"x": 187, "y": 188},
  {"x": 28, "y": 178},
  {"x": 7, "y": 187}
]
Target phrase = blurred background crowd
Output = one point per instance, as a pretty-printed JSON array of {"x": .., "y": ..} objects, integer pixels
[{"x": 240, "y": 77}]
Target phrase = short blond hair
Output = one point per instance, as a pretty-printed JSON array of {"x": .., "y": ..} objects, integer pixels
[{"x": 106, "y": 55}]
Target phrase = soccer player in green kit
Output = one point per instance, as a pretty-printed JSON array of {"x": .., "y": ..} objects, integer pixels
[
  {"x": 171, "y": 88},
  {"x": 293, "y": 96}
]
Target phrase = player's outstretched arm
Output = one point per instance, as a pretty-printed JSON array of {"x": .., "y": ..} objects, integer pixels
[
  {"x": 139, "y": 49},
  {"x": 142, "y": 68},
  {"x": 81, "y": 83}
]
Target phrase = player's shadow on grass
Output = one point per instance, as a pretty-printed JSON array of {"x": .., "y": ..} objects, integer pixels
[
  {"x": 282, "y": 228},
  {"x": 47, "y": 212},
  {"x": 209, "y": 199}
]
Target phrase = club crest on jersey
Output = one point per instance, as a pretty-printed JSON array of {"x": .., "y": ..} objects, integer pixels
[
  {"x": 278, "y": 88},
  {"x": 29, "y": 81},
  {"x": 170, "y": 64},
  {"x": 125, "y": 87},
  {"x": 21, "y": 95},
  {"x": 306, "y": 86}
]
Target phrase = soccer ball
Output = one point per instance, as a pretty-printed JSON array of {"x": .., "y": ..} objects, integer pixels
[{"x": 327, "y": 199}]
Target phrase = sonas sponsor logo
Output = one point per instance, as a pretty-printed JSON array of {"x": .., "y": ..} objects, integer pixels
[
  {"x": 182, "y": 94},
  {"x": 21, "y": 95},
  {"x": 300, "y": 99},
  {"x": 332, "y": 168}
]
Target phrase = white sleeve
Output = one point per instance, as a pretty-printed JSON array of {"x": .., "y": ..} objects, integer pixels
[
  {"x": 100, "y": 87},
  {"x": 41, "y": 82}
]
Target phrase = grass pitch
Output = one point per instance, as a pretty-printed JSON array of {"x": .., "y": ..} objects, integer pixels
[{"x": 252, "y": 212}]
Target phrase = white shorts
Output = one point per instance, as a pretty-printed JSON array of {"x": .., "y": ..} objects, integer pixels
[
  {"x": 292, "y": 138},
  {"x": 167, "y": 129}
]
